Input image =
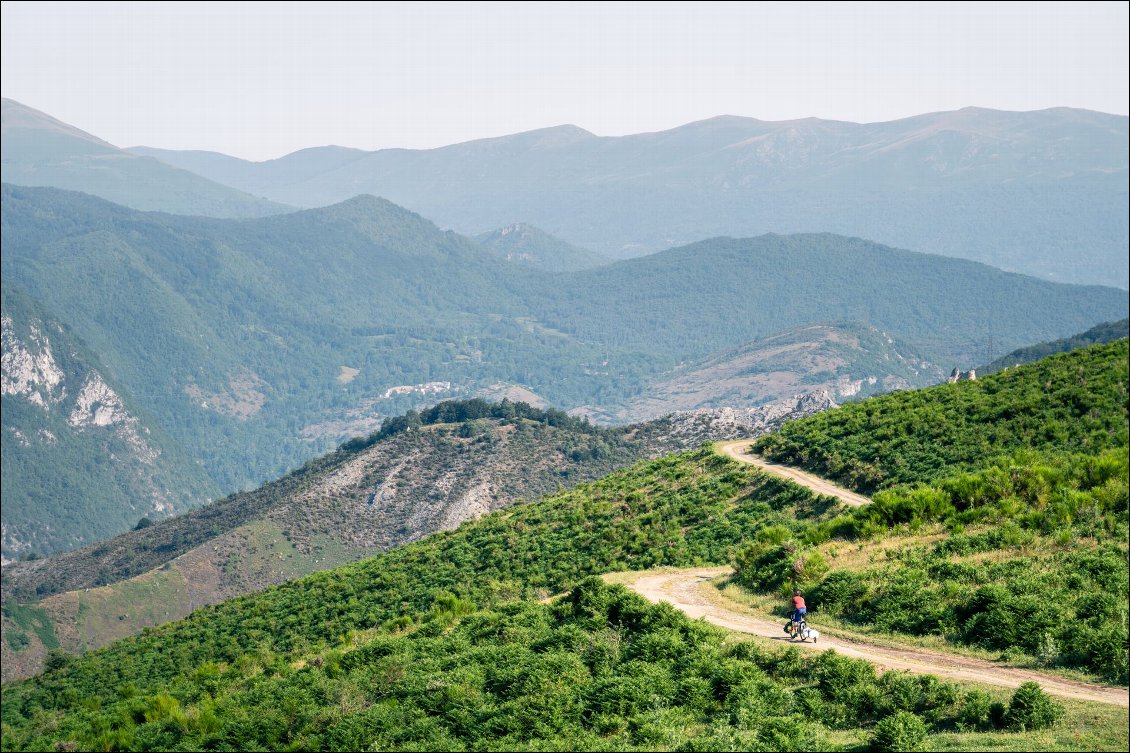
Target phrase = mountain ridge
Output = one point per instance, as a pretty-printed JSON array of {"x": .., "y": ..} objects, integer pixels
[
  {"x": 1019, "y": 190},
  {"x": 39, "y": 150}
]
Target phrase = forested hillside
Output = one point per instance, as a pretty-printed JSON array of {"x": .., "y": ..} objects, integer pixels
[
  {"x": 1100, "y": 333},
  {"x": 255, "y": 344},
  {"x": 229, "y": 669}
]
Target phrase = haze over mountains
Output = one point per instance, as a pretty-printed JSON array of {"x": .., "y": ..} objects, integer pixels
[{"x": 1043, "y": 192}]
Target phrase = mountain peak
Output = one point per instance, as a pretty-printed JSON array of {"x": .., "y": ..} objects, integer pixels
[{"x": 14, "y": 114}]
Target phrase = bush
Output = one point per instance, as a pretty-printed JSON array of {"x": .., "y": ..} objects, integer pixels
[
  {"x": 975, "y": 710},
  {"x": 1031, "y": 708},
  {"x": 899, "y": 731},
  {"x": 57, "y": 660},
  {"x": 842, "y": 591}
]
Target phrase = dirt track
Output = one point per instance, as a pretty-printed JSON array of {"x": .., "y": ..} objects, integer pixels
[
  {"x": 739, "y": 451},
  {"x": 691, "y": 591}
]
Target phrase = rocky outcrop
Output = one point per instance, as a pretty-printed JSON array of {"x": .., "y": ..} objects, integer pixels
[
  {"x": 97, "y": 405},
  {"x": 691, "y": 428},
  {"x": 957, "y": 375},
  {"x": 28, "y": 369}
]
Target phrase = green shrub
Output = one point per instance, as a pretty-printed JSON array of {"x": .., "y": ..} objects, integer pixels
[
  {"x": 1031, "y": 708},
  {"x": 58, "y": 660},
  {"x": 898, "y": 732},
  {"x": 975, "y": 710},
  {"x": 841, "y": 591}
]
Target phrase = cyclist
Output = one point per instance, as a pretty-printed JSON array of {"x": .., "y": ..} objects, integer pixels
[{"x": 799, "y": 609}]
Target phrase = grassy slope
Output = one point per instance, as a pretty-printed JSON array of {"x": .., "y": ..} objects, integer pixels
[{"x": 313, "y": 519}]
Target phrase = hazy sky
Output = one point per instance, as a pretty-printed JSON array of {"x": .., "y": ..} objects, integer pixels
[{"x": 259, "y": 80}]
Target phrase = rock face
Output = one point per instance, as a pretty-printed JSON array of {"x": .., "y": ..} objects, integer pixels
[
  {"x": 29, "y": 368},
  {"x": 957, "y": 375},
  {"x": 690, "y": 428}
]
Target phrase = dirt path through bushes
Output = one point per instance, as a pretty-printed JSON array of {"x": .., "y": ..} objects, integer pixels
[
  {"x": 692, "y": 592},
  {"x": 739, "y": 451}
]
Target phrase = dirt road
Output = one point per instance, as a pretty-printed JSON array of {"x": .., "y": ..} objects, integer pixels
[
  {"x": 691, "y": 591},
  {"x": 739, "y": 451}
]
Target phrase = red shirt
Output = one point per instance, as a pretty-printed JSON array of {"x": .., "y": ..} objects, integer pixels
[{"x": 798, "y": 602}]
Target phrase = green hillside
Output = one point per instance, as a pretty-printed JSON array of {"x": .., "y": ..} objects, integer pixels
[
  {"x": 423, "y": 472},
  {"x": 259, "y": 666},
  {"x": 599, "y": 670},
  {"x": 1012, "y": 493},
  {"x": 1068, "y": 402}
]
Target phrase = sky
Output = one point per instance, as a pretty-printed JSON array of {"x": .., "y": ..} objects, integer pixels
[{"x": 260, "y": 80}]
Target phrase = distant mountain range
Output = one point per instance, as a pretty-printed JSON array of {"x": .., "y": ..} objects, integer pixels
[
  {"x": 38, "y": 150},
  {"x": 254, "y": 344},
  {"x": 1044, "y": 192}
]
